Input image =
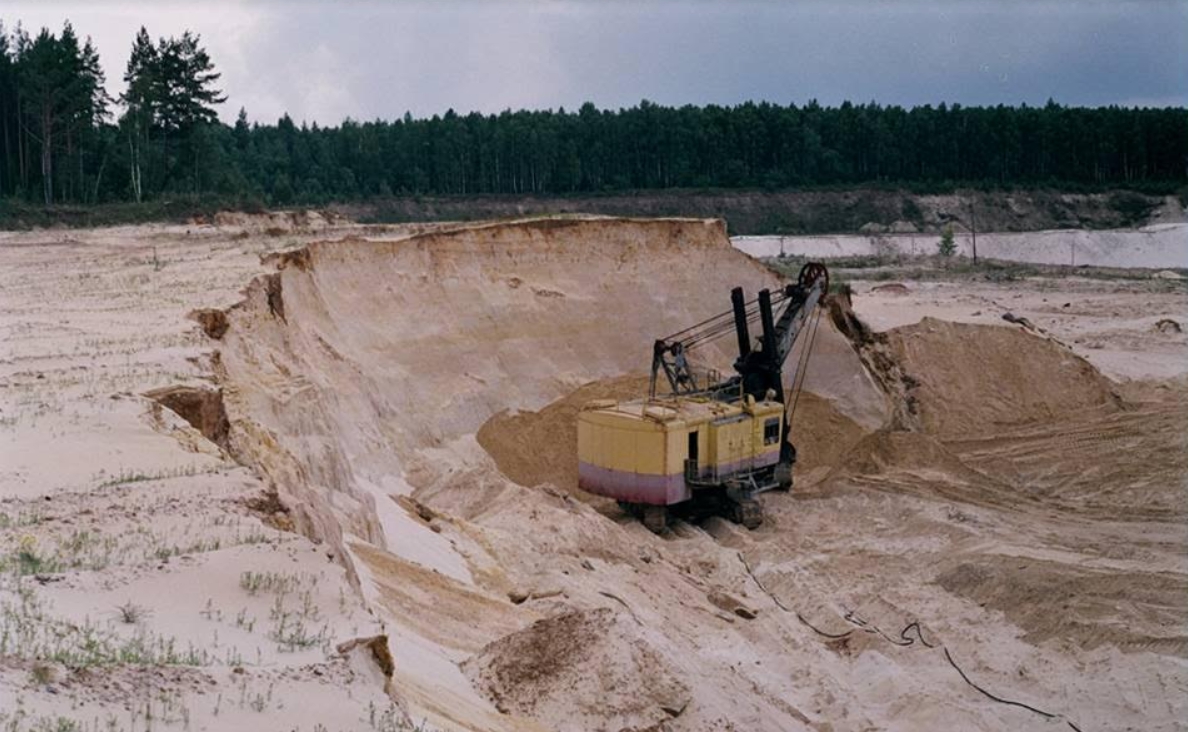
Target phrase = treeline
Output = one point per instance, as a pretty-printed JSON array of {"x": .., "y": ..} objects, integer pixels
[
  {"x": 52, "y": 107},
  {"x": 65, "y": 140},
  {"x": 745, "y": 146}
]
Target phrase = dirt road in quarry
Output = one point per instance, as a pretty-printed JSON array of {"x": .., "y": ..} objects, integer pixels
[{"x": 979, "y": 511}]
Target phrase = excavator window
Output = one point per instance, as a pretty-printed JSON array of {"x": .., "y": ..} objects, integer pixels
[
  {"x": 771, "y": 432},
  {"x": 693, "y": 445}
]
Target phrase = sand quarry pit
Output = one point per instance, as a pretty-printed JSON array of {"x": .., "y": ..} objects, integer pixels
[{"x": 379, "y": 430}]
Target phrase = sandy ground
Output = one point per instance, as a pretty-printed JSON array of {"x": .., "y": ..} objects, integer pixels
[
  {"x": 1115, "y": 325},
  {"x": 978, "y": 503},
  {"x": 138, "y": 588}
]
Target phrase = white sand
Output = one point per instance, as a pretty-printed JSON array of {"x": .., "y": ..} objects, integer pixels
[
  {"x": 140, "y": 510},
  {"x": 1157, "y": 246}
]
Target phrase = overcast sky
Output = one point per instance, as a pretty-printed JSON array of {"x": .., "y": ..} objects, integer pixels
[{"x": 323, "y": 61}]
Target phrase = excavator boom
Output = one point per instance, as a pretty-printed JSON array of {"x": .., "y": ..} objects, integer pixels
[{"x": 757, "y": 369}]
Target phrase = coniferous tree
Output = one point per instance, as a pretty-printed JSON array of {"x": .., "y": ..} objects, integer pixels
[
  {"x": 946, "y": 247},
  {"x": 42, "y": 76},
  {"x": 86, "y": 108},
  {"x": 9, "y": 121},
  {"x": 60, "y": 93},
  {"x": 141, "y": 102},
  {"x": 170, "y": 97}
]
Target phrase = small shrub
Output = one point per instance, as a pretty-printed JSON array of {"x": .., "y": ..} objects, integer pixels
[
  {"x": 42, "y": 674},
  {"x": 131, "y": 613},
  {"x": 29, "y": 562}
]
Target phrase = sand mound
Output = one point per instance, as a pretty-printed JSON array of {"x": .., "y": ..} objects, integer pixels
[
  {"x": 823, "y": 436},
  {"x": 886, "y": 451},
  {"x": 996, "y": 416},
  {"x": 971, "y": 379},
  {"x": 274, "y": 223},
  {"x": 1093, "y": 607},
  {"x": 571, "y": 672},
  {"x": 913, "y": 463},
  {"x": 533, "y": 448},
  {"x": 1120, "y": 465}
]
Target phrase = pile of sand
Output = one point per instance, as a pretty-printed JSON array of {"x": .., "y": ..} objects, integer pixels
[
  {"x": 1131, "y": 611},
  {"x": 581, "y": 670},
  {"x": 539, "y": 447},
  {"x": 969, "y": 379},
  {"x": 892, "y": 450},
  {"x": 823, "y": 436},
  {"x": 274, "y": 223}
]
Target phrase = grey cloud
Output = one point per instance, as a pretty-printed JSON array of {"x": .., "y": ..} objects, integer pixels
[{"x": 326, "y": 61}]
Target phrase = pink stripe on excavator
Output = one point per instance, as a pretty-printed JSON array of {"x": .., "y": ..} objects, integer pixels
[{"x": 656, "y": 490}]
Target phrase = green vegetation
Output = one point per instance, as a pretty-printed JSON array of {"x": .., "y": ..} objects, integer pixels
[
  {"x": 131, "y": 613},
  {"x": 945, "y": 247},
  {"x": 62, "y": 142},
  {"x": 29, "y": 632}
]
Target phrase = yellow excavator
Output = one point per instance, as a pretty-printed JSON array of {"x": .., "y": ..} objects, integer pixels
[{"x": 710, "y": 445}]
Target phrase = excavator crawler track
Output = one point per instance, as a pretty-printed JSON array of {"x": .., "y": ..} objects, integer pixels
[{"x": 748, "y": 513}]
